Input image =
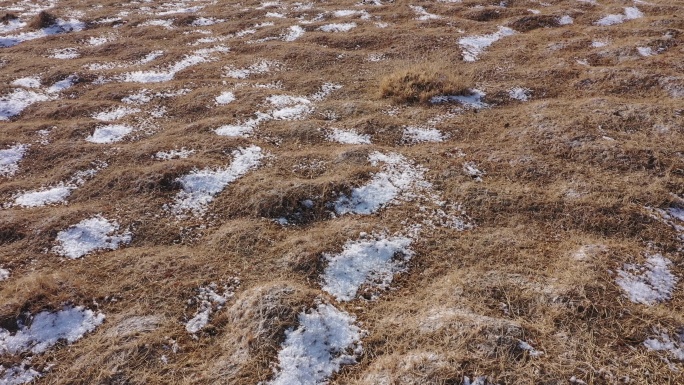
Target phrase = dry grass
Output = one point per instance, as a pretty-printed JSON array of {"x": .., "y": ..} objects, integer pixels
[
  {"x": 43, "y": 19},
  {"x": 579, "y": 167}
]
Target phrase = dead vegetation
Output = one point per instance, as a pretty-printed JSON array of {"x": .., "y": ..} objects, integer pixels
[{"x": 420, "y": 83}]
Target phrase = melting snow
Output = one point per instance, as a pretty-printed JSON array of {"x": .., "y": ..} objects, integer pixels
[
  {"x": 260, "y": 67},
  {"x": 46, "y": 329},
  {"x": 325, "y": 339},
  {"x": 17, "y": 375},
  {"x": 109, "y": 134},
  {"x": 225, "y": 98},
  {"x": 33, "y": 82},
  {"x": 200, "y": 187},
  {"x": 362, "y": 262},
  {"x": 519, "y": 93},
  {"x": 413, "y": 134},
  {"x": 338, "y": 27},
  {"x": 65, "y": 53},
  {"x": 293, "y": 33},
  {"x": 63, "y": 84},
  {"x": 471, "y": 169},
  {"x": 630, "y": 13},
  {"x": 61, "y": 26},
  {"x": 4, "y": 274},
  {"x": 209, "y": 301},
  {"x": 348, "y": 137},
  {"x": 96, "y": 233},
  {"x": 57, "y": 194},
  {"x": 423, "y": 15},
  {"x": 115, "y": 114},
  {"x": 473, "y": 101},
  {"x": 664, "y": 343},
  {"x": 645, "y": 51},
  {"x": 172, "y": 154},
  {"x": 11, "y": 25},
  {"x": 289, "y": 107},
  {"x": 18, "y": 100},
  {"x": 649, "y": 283},
  {"x": 244, "y": 128},
  {"x": 565, "y": 20},
  {"x": 198, "y": 57},
  {"x": 10, "y": 157},
  {"x": 534, "y": 353},
  {"x": 474, "y": 45}
]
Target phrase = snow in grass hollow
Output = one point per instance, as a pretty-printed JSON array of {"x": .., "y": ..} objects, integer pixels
[
  {"x": 58, "y": 193},
  {"x": 115, "y": 113},
  {"x": 423, "y": 15},
  {"x": 46, "y": 329},
  {"x": 89, "y": 235},
  {"x": 17, "y": 375},
  {"x": 209, "y": 301},
  {"x": 649, "y": 283},
  {"x": 260, "y": 67},
  {"x": 60, "y": 26},
  {"x": 520, "y": 93},
  {"x": 28, "y": 82},
  {"x": 664, "y": 343},
  {"x": 325, "y": 339},
  {"x": 225, "y": 98},
  {"x": 473, "y": 46},
  {"x": 157, "y": 76},
  {"x": 630, "y": 13},
  {"x": 371, "y": 262},
  {"x": 109, "y": 133},
  {"x": 172, "y": 154},
  {"x": 200, "y": 186},
  {"x": 348, "y": 137},
  {"x": 18, "y": 100},
  {"x": 338, "y": 27},
  {"x": 9, "y": 159},
  {"x": 293, "y": 33},
  {"x": 413, "y": 134},
  {"x": 474, "y": 100}
]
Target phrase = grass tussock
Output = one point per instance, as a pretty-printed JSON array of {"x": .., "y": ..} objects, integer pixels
[
  {"x": 42, "y": 20},
  {"x": 420, "y": 83}
]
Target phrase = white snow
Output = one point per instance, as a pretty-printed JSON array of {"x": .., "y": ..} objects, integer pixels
[
  {"x": 649, "y": 283},
  {"x": 17, "y": 375},
  {"x": 415, "y": 134},
  {"x": 209, "y": 301},
  {"x": 4, "y": 274},
  {"x": 242, "y": 129},
  {"x": 225, "y": 98},
  {"x": 62, "y": 85},
  {"x": 60, "y": 26},
  {"x": 46, "y": 329},
  {"x": 565, "y": 20},
  {"x": 206, "y": 21},
  {"x": 474, "y": 100},
  {"x": 534, "y": 353},
  {"x": 664, "y": 343},
  {"x": 65, "y": 53},
  {"x": 348, "y": 137},
  {"x": 57, "y": 194},
  {"x": 96, "y": 233},
  {"x": 115, "y": 114},
  {"x": 29, "y": 82},
  {"x": 9, "y": 159},
  {"x": 471, "y": 169},
  {"x": 168, "y": 24},
  {"x": 397, "y": 178},
  {"x": 630, "y": 13},
  {"x": 289, "y": 107},
  {"x": 645, "y": 51},
  {"x": 260, "y": 67},
  {"x": 599, "y": 43},
  {"x": 17, "y": 101},
  {"x": 200, "y": 186},
  {"x": 11, "y": 25},
  {"x": 473, "y": 46},
  {"x": 325, "y": 91},
  {"x": 325, "y": 339},
  {"x": 520, "y": 93},
  {"x": 373, "y": 262},
  {"x": 293, "y": 33},
  {"x": 172, "y": 154},
  {"x": 157, "y": 76},
  {"x": 109, "y": 134},
  {"x": 423, "y": 15},
  {"x": 338, "y": 27}
]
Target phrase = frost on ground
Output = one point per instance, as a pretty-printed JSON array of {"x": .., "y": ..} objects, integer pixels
[
  {"x": 414, "y": 134},
  {"x": 630, "y": 13},
  {"x": 649, "y": 283},
  {"x": 96, "y": 233},
  {"x": 9, "y": 159},
  {"x": 473, "y": 46},
  {"x": 371, "y": 262},
  {"x": 209, "y": 301},
  {"x": 664, "y": 343},
  {"x": 200, "y": 186},
  {"x": 46, "y": 329},
  {"x": 325, "y": 339},
  {"x": 348, "y": 137},
  {"x": 109, "y": 133}
]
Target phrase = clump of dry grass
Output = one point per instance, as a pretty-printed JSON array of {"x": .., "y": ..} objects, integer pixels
[
  {"x": 7, "y": 17},
  {"x": 420, "y": 83},
  {"x": 42, "y": 20}
]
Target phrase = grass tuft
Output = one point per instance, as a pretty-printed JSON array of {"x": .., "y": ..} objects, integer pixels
[{"x": 420, "y": 83}]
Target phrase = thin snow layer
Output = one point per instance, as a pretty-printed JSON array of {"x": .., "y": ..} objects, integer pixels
[
  {"x": 338, "y": 27},
  {"x": 61, "y": 26},
  {"x": 289, "y": 107},
  {"x": 372, "y": 262},
  {"x": 109, "y": 134},
  {"x": 663, "y": 343},
  {"x": 63, "y": 84},
  {"x": 565, "y": 20},
  {"x": 225, "y": 98},
  {"x": 172, "y": 154},
  {"x": 474, "y": 100},
  {"x": 413, "y": 134},
  {"x": 46, "y": 329},
  {"x": 325, "y": 339},
  {"x": 17, "y": 101},
  {"x": 398, "y": 178},
  {"x": 29, "y": 82},
  {"x": 423, "y": 15},
  {"x": 645, "y": 51},
  {"x": 11, "y": 25},
  {"x": 242, "y": 129},
  {"x": 89, "y": 235},
  {"x": 200, "y": 186},
  {"x": 4, "y": 274},
  {"x": 348, "y": 137},
  {"x": 630, "y": 13},
  {"x": 534, "y": 353},
  {"x": 115, "y": 114},
  {"x": 520, "y": 93},
  {"x": 474, "y": 45},
  {"x": 649, "y": 283},
  {"x": 17, "y": 375},
  {"x": 197, "y": 57},
  {"x": 57, "y": 194},
  {"x": 209, "y": 301},
  {"x": 65, "y": 53},
  {"x": 293, "y": 33},
  {"x": 260, "y": 67},
  {"x": 10, "y": 157}
]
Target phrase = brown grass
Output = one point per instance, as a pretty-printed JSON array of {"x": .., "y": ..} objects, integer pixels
[
  {"x": 43, "y": 19},
  {"x": 419, "y": 83}
]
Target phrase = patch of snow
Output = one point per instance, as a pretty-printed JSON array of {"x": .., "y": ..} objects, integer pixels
[
  {"x": 675, "y": 347},
  {"x": 649, "y": 283},
  {"x": 109, "y": 134},
  {"x": 565, "y": 20},
  {"x": 60, "y": 26},
  {"x": 57, "y": 194},
  {"x": 474, "y": 45},
  {"x": 645, "y": 51},
  {"x": 95, "y": 41},
  {"x": 46, "y": 329},
  {"x": 371, "y": 262},
  {"x": 423, "y": 15},
  {"x": 115, "y": 114},
  {"x": 242, "y": 129},
  {"x": 172, "y": 154},
  {"x": 63, "y": 84},
  {"x": 9, "y": 159},
  {"x": 4, "y": 274},
  {"x": 534, "y": 353},
  {"x": 415, "y": 134},
  {"x": 630, "y": 13},
  {"x": 348, "y": 137},
  {"x": 208, "y": 302},
  {"x": 325, "y": 339},
  {"x": 65, "y": 53},
  {"x": 520, "y": 93},
  {"x": 17, "y": 101},
  {"x": 471, "y": 169},
  {"x": 200, "y": 186},
  {"x": 197, "y": 57},
  {"x": 11, "y": 25},
  {"x": 262, "y": 66},
  {"x": 293, "y": 33},
  {"x": 472, "y": 101},
  {"x": 206, "y": 21},
  {"x": 289, "y": 107},
  {"x": 338, "y": 27},
  {"x": 168, "y": 24},
  {"x": 17, "y": 375},
  {"x": 89, "y": 235},
  {"x": 225, "y": 98},
  {"x": 30, "y": 82},
  {"x": 325, "y": 91}
]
